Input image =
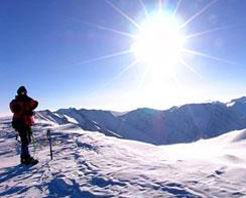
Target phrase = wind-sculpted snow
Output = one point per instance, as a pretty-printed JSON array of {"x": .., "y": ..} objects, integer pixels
[
  {"x": 187, "y": 123},
  {"x": 90, "y": 164}
]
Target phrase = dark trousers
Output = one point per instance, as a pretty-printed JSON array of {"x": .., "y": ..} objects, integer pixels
[
  {"x": 24, "y": 132},
  {"x": 25, "y": 136}
]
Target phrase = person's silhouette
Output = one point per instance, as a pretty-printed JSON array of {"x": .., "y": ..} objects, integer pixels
[{"x": 22, "y": 107}]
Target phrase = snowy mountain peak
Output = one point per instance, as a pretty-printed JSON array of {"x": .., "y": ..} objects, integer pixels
[
  {"x": 241, "y": 100},
  {"x": 238, "y": 105}
]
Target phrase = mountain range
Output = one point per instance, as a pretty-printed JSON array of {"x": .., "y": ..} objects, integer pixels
[{"x": 183, "y": 124}]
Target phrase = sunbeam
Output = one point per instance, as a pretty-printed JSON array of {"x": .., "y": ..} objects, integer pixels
[
  {"x": 144, "y": 8},
  {"x": 122, "y": 13},
  {"x": 176, "y": 8},
  {"x": 101, "y": 27},
  {"x": 105, "y": 57},
  {"x": 125, "y": 69},
  {"x": 205, "y": 8},
  {"x": 197, "y": 34},
  {"x": 109, "y": 29},
  {"x": 208, "y": 56},
  {"x": 190, "y": 68}
]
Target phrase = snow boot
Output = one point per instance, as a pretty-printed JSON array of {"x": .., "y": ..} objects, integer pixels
[{"x": 28, "y": 160}]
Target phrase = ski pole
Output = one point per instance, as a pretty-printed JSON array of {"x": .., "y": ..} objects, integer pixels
[
  {"x": 34, "y": 143},
  {"x": 50, "y": 143},
  {"x": 18, "y": 142}
]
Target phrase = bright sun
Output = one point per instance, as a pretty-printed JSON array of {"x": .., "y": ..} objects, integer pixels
[{"x": 158, "y": 44}]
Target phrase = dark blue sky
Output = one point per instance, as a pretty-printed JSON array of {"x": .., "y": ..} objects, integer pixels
[{"x": 47, "y": 46}]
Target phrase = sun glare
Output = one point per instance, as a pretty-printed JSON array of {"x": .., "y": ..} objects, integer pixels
[
  {"x": 160, "y": 48},
  {"x": 159, "y": 43}
]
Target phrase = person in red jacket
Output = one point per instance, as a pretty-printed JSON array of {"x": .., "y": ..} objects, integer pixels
[{"x": 22, "y": 107}]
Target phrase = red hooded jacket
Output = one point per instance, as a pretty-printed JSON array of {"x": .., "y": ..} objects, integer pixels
[{"x": 22, "y": 107}]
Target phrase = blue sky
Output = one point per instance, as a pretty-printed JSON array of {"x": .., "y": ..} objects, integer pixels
[{"x": 52, "y": 47}]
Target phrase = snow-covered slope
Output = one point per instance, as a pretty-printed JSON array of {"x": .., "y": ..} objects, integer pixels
[
  {"x": 89, "y": 164},
  {"x": 186, "y": 123}
]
